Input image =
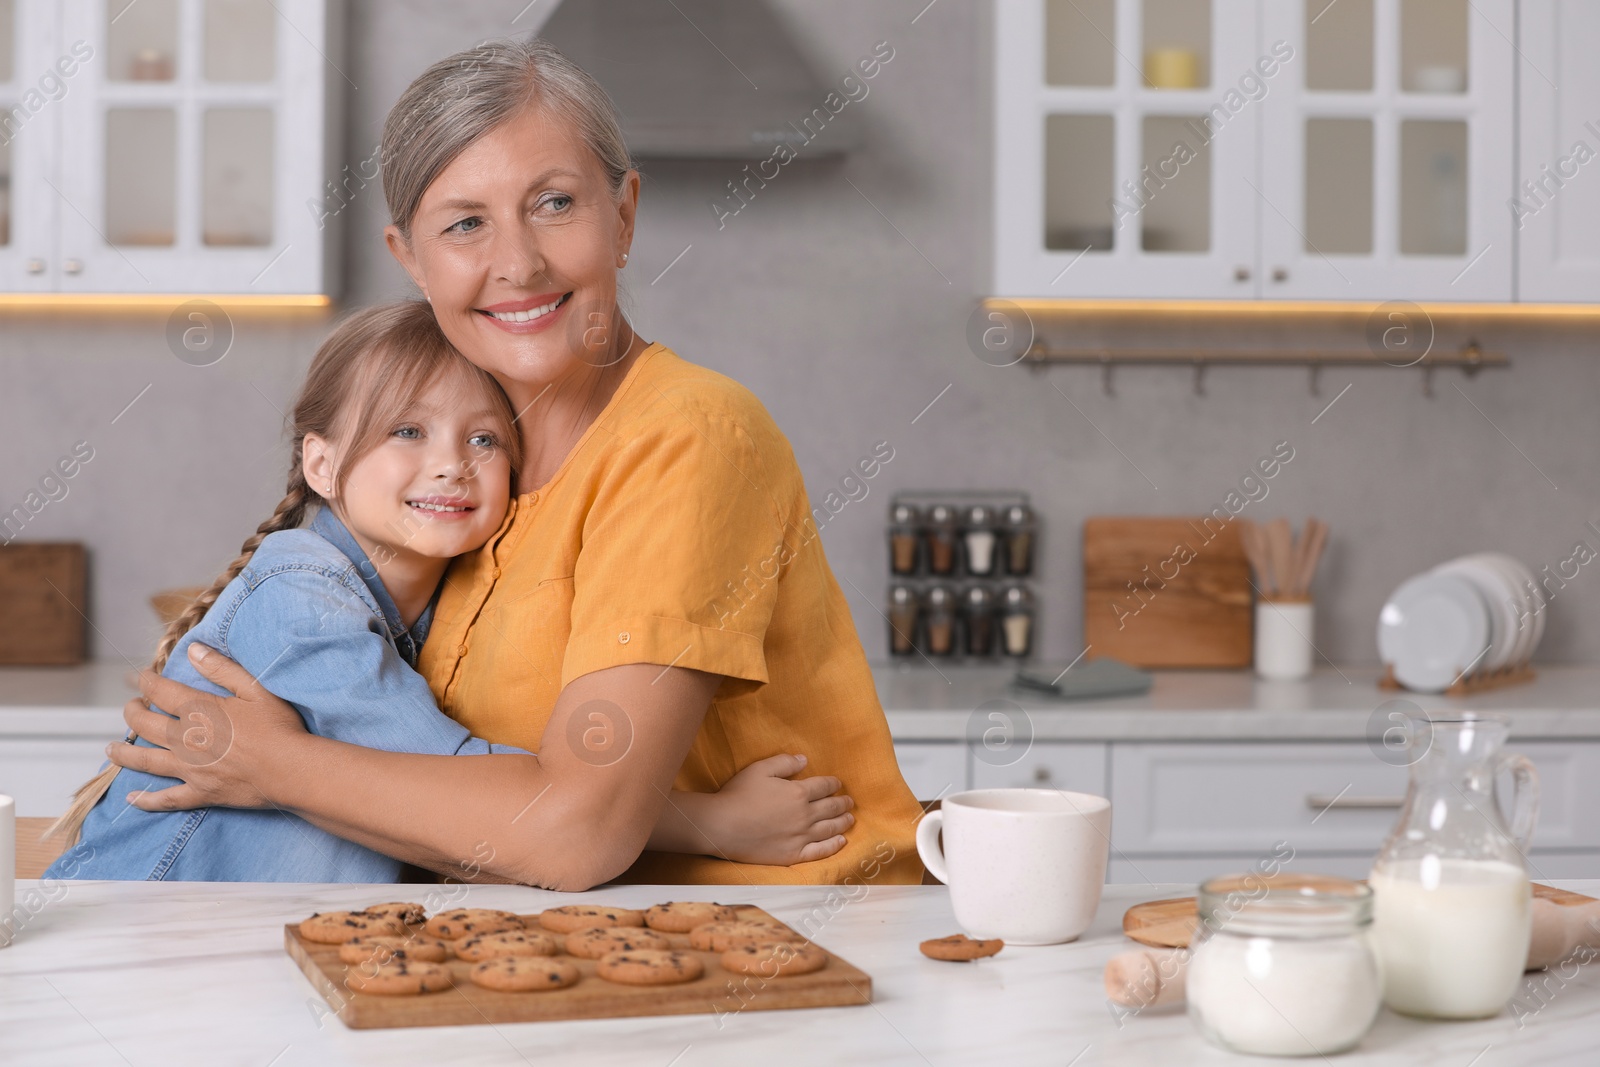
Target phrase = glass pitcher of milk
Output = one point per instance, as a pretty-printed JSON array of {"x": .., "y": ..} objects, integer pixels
[{"x": 1452, "y": 906}]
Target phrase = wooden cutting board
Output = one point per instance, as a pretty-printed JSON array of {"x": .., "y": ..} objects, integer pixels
[
  {"x": 43, "y": 604},
  {"x": 717, "y": 992},
  {"x": 1170, "y": 923},
  {"x": 1167, "y": 592}
]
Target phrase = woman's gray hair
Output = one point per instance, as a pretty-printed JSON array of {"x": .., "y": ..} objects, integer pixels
[{"x": 462, "y": 97}]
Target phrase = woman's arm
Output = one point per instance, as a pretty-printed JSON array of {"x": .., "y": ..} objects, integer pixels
[{"x": 575, "y": 815}]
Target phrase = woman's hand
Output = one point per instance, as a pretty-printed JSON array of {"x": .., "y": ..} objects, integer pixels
[
  {"x": 215, "y": 744},
  {"x": 763, "y": 814}
]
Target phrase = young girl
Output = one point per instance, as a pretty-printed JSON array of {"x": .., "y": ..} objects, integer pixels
[{"x": 410, "y": 451}]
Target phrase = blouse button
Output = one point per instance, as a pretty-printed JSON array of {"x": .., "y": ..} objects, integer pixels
[
  {"x": 461, "y": 651},
  {"x": 495, "y": 574},
  {"x": 623, "y": 637}
]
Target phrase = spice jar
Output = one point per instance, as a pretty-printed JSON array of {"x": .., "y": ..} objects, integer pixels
[
  {"x": 979, "y": 540},
  {"x": 903, "y": 521},
  {"x": 1016, "y": 621},
  {"x": 940, "y": 602},
  {"x": 1021, "y": 532},
  {"x": 940, "y": 531},
  {"x": 977, "y": 607},
  {"x": 903, "y": 608},
  {"x": 1284, "y": 965}
]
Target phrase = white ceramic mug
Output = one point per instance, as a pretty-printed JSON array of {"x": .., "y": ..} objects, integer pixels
[
  {"x": 8, "y": 867},
  {"x": 1024, "y": 865}
]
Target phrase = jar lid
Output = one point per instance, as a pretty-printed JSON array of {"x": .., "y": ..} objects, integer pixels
[
  {"x": 901, "y": 596},
  {"x": 1018, "y": 515},
  {"x": 980, "y": 515},
  {"x": 903, "y": 514},
  {"x": 1016, "y": 596},
  {"x": 978, "y": 597},
  {"x": 1285, "y": 905},
  {"x": 942, "y": 515},
  {"x": 940, "y": 596}
]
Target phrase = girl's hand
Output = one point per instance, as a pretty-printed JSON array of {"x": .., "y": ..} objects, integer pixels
[
  {"x": 764, "y": 814},
  {"x": 215, "y": 744}
]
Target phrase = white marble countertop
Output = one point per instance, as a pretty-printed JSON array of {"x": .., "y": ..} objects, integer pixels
[
  {"x": 173, "y": 974},
  {"x": 928, "y": 704}
]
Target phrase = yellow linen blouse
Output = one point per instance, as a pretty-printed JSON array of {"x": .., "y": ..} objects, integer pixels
[{"x": 679, "y": 532}]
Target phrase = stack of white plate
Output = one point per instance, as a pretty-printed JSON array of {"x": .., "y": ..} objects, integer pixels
[{"x": 1472, "y": 615}]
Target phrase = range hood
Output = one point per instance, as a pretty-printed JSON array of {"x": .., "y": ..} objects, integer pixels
[{"x": 701, "y": 79}]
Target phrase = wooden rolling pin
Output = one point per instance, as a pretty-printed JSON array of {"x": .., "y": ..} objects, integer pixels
[{"x": 1150, "y": 977}]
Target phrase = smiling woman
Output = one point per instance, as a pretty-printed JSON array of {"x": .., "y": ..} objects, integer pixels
[{"x": 586, "y": 628}]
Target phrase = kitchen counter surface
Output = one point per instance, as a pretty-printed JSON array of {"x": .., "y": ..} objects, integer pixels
[
  {"x": 177, "y": 974},
  {"x": 1335, "y": 704},
  {"x": 925, "y": 703}
]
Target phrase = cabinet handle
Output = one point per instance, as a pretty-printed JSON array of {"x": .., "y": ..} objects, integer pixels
[
  {"x": 1280, "y": 274},
  {"x": 1241, "y": 274},
  {"x": 72, "y": 266},
  {"x": 1041, "y": 774},
  {"x": 35, "y": 266},
  {"x": 1325, "y": 801}
]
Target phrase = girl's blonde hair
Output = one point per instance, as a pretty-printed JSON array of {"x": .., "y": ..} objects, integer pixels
[{"x": 365, "y": 376}]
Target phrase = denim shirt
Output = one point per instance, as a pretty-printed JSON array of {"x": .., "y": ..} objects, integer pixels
[{"x": 309, "y": 618}]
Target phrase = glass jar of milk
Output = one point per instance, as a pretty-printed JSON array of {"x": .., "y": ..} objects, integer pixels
[
  {"x": 1452, "y": 906},
  {"x": 1283, "y": 965}
]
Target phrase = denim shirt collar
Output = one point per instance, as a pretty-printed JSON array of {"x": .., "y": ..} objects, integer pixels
[{"x": 327, "y": 525}]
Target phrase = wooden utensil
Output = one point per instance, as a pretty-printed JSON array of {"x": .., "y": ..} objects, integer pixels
[
  {"x": 1170, "y": 923},
  {"x": 1255, "y": 549},
  {"x": 43, "y": 588},
  {"x": 1280, "y": 540},
  {"x": 1167, "y": 592},
  {"x": 717, "y": 992}
]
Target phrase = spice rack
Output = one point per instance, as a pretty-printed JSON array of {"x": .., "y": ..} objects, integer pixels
[{"x": 960, "y": 564}]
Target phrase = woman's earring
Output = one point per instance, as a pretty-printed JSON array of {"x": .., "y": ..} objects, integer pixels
[{"x": 624, "y": 257}]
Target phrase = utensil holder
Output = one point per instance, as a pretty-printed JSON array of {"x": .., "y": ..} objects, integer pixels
[{"x": 1283, "y": 639}]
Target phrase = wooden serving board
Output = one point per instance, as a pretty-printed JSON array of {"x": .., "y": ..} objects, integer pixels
[
  {"x": 1170, "y": 923},
  {"x": 44, "y": 588},
  {"x": 1158, "y": 593},
  {"x": 717, "y": 992}
]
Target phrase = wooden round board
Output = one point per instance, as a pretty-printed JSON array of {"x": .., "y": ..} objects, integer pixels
[{"x": 1170, "y": 923}]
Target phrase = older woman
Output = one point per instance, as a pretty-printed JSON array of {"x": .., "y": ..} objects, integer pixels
[{"x": 655, "y": 612}]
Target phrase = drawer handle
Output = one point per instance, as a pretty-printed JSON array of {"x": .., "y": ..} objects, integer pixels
[{"x": 1323, "y": 802}]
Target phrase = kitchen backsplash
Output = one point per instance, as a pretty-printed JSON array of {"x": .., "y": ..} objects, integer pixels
[{"x": 842, "y": 300}]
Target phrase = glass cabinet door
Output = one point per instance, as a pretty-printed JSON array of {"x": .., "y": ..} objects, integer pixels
[
  {"x": 1387, "y": 151},
  {"x": 176, "y": 178},
  {"x": 1125, "y": 138},
  {"x": 31, "y": 89}
]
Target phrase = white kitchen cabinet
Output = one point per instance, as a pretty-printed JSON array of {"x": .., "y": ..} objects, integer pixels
[
  {"x": 1254, "y": 149},
  {"x": 1555, "y": 208},
  {"x": 933, "y": 769},
  {"x": 1237, "y": 803},
  {"x": 1075, "y": 767},
  {"x": 179, "y": 146},
  {"x": 42, "y": 773}
]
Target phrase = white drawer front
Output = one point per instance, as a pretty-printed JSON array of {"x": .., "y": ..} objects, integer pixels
[
  {"x": 1079, "y": 768},
  {"x": 933, "y": 769},
  {"x": 1243, "y": 798},
  {"x": 43, "y": 773}
]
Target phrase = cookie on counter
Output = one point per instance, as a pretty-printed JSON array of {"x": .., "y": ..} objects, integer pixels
[
  {"x": 384, "y": 947},
  {"x": 721, "y": 936},
  {"x": 337, "y": 927},
  {"x": 464, "y": 922},
  {"x": 771, "y": 959},
  {"x": 681, "y": 916},
  {"x": 399, "y": 978},
  {"x": 960, "y": 948},
  {"x": 650, "y": 967},
  {"x": 594, "y": 942},
  {"x": 570, "y": 917},
  {"x": 480, "y": 947},
  {"x": 524, "y": 974},
  {"x": 410, "y": 914}
]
